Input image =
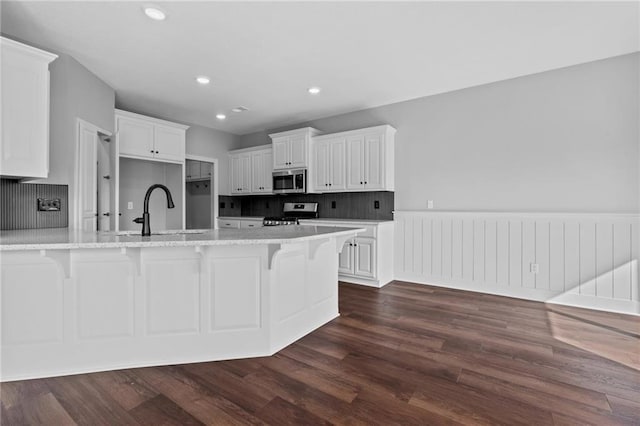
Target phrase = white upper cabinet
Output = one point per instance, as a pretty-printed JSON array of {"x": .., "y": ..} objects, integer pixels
[
  {"x": 135, "y": 136},
  {"x": 250, "y": 170},
  {"x": 291, "y": 148},
  {"x": 370, "y": 159},
  {"x": 261, "y": 165},
  {"x": 150, "y": 138},
  {"x": 357, "y": 160},
  {"x": 328, "y": 165},
  {"x": 240, "y": 173},
  {"x": 193, "y": 170},
  {"x": 24, "y": 118},
  {"x": 197, "y": 170},
  {"x": 169, "y": 143}
]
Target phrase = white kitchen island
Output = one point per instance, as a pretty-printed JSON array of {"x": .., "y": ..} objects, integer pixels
[{"x": 79, "y": 302}]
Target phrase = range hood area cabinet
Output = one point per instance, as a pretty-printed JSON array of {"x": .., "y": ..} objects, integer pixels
[
  {"x": 353, "y": 161},
  {"x": 24, "y": 121},
  {"x": 149, "y": 151},
  {"x": 251, "y": 170},
  {"x": 150, "y": 138},
  {"x": 291, "y": 149}
]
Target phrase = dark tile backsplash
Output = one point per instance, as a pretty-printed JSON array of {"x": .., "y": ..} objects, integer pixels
[
  {"x": 18, "y": 205},
  {"x": 348, "y": 205},
  {"x": 229, "y": 206}
]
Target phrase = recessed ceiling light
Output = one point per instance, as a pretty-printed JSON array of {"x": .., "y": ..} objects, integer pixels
[
  {"x": 203, "y": 79},
  {"x": 314, "y": 90},
  {"x": 154, "y": 13},
  {"x": 240, "y": 109},
  {"x": 221, "y": 116}
]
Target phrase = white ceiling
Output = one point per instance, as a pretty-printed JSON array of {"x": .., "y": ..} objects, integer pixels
[{"x": 265, "y": 55}]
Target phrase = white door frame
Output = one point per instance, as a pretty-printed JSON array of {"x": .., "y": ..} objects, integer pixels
[
  {"x": 214, "y": 187},
  {"x": 77, "y": 190}
]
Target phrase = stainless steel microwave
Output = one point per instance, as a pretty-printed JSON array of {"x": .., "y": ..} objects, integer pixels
[{"x": 290, "y": 181}]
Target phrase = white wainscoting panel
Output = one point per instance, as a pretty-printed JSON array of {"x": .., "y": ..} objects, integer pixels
[{"x": 589, "y": 260}]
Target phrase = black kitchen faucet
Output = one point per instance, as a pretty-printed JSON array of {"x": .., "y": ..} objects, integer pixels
[{"x": 144, "y": 220}]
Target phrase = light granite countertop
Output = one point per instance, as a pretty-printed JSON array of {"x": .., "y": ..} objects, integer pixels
[{"x": 63, "y": 238}]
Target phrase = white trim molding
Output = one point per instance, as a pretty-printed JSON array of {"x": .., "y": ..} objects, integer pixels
[{"x": 578, "y": 259}]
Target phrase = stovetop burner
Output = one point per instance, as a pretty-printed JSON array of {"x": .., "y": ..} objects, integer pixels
[
  {"x": 277, "y": 221},
  {"x": 292, "y": 212}
]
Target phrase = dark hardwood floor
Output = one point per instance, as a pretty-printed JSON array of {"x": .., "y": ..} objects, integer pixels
[{"x": 404, "y": 354}]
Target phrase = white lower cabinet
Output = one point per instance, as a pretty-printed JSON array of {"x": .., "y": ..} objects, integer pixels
[
  {"x": 368, "y": 258},
  {"x": 240, "y": 222},
  {"x": 228, "y": 223},
  {"x": 358, "y": 258}
]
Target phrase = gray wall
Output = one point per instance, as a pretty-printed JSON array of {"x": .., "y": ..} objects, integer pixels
[
  {"x": 216, "y": 144},
  {"x": 75, "y": 93},
  {"x": 136, "y": 176},
  {"x": 564, "y": 141}
]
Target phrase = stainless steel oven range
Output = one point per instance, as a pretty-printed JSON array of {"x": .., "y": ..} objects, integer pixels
[{"x": 291, "y": 213}]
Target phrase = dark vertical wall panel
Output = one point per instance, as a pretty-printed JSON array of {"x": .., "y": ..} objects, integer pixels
[
  {"x": 349, "y": 205},
  {"x": 18, "y": 208}
]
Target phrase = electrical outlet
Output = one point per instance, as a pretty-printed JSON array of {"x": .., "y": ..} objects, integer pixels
[
  {"x": 49, "y": 204},
  {"x": 376, "y": 204},
  {"x": 535, "y": 268},
  {"x": 130, "y": 205},
  {"x": 429, "y": 204}
]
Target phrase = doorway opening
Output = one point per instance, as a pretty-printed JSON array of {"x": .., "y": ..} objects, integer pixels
[
  {"x": 93, "y": 198},
  {"x": 201, "y": 190}
]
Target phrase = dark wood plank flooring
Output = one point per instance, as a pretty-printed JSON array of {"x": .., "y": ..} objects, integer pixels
[{"x": 404, "y": 354}]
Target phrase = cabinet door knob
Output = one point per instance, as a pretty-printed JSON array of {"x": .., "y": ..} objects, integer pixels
[
  {"x": 365, "y": 182},
  {"x": 106, "y": 214},
  {"x": 360, "y": 183},
  {"x": 152, "y": 151},
  {"x": 329, "y": 184},
  {"x": 156, "y": 152}
]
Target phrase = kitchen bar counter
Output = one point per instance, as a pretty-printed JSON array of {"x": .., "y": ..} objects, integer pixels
[
  {"x": 75, "y": 302},
  {"x": 62, "y": 238}
]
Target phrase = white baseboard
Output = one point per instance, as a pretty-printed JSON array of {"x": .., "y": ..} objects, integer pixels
[{"x": 569, "y": 299}]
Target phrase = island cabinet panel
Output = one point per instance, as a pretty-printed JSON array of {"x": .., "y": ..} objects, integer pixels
[
  {"x": 235, "y": 284},
  {"x": 32, "y": 300},
  {"x": 102, "y": 308},
  {"x": 304, "y": 291},
  {"x": 322, "y": 291},
  {"x": 172, "y": 292},
  {"x": 290, "y": 291},
  {"x": 104, "y": 293}
]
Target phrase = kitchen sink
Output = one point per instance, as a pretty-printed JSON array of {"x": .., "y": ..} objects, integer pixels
[{"x": 168, "y": 232}]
